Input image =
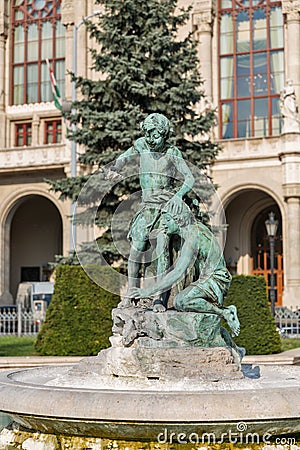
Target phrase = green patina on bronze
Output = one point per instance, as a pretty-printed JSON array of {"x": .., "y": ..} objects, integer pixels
[
  {"x": 159, "y": 163},
  {"x": 199, "y": 274}
]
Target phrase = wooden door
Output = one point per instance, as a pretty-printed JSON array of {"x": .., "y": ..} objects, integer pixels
[{"x": 260, "y": 265}]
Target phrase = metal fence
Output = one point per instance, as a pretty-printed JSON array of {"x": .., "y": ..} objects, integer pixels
[
  {"x": 18, "y": 321},
  {"x": 288, "y": 322}
]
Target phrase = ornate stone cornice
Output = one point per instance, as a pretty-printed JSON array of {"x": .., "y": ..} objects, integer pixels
[
  {"x": 292, "y": 9},
  {"x": 67, "y": 12},
  {"x": 203, "y": 15},
  {"x": 17, "y": 111},
  {"x": 38, "y": 157}
]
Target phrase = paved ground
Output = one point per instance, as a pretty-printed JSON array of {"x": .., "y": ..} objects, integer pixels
[
  {"x": 290, "y": 357},
  {"x": 293, "y": 352}
]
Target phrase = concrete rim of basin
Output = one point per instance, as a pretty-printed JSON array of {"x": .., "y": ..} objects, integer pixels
[{"x": 268, "y": 404}]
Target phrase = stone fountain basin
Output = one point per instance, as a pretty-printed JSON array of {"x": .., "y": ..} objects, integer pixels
[{"x": 59, "y": 400}]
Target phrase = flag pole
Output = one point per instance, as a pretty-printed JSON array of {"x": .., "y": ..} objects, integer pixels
[{"x": 54, "y": 87}]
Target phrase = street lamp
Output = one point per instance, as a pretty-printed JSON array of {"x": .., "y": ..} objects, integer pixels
[
  {"x": 271, "y": 226},
  {"x": 74, "y": 144}
]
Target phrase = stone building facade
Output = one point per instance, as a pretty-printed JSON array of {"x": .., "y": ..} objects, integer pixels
[
  {"x": 248, "y": 49},
  {"x": 258, "y": 171}
]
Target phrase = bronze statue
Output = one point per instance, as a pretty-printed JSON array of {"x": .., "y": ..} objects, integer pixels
[
  {"x": 201, "y": 253},
  {"x": 159, "y": 161}
]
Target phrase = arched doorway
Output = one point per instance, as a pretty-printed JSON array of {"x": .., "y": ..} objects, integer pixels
[
  {"x": 260, "y": 251},
  {"x": 35, "y": 239},
  {"x": 247, "y": 246}
]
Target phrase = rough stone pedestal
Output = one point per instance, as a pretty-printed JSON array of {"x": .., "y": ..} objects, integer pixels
[
  {"x": 169, "y": 329},
  {"x": 169, "y": 363},
  {"x": 169, "y": 345}
]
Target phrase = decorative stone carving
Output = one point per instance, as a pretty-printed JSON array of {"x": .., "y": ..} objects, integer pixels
[
  {"x": 203, "y": 15},
  {"x": 289, "y": 109},
  {"x": 292, "y": 9},
  {"x": 68, "y": 12},
  {"x": 49, "y": 155},
  {"x": 203, "y": 21},
  {"x": 30, "y": 108}
]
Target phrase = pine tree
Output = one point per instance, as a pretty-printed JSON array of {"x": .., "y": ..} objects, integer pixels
[{"x": 141, "y": 67}]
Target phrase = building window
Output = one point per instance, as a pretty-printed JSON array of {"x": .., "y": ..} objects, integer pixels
[
  {"x": 37, "y": 35},
  {"x": 22, "y": 134},
  {"x": 53, "y": 132},
  {"x": 251, "y": 67}
]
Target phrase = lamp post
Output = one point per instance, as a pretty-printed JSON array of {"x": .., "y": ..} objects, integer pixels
[
  {"x": 271, "y": 226},
  {"x": 74, "y": 143}
]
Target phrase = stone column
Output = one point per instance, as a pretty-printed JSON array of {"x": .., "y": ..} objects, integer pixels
[
  {"x": 290, "y": 159},
  {"x": 35, "y": 131},
  {"x": 68, "y": 60},
  {"x": 3, "y": 74},
  {"x": 292, "y": 288},
  {"x": 2, "y": 71},
  {"x": 291, "y": 11},
  {"x": 3, "y": 38},
  {"x": 4, "y": 276},
  {"x": 203, "y": 18},
  {"x": 68, "y": 19}
]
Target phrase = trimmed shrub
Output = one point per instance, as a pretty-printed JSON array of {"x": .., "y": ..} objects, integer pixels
[
  {"x": 78, "y": 320},
  {"x": 258, "y": 330}
]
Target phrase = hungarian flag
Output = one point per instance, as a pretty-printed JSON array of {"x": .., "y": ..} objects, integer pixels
[{"x": 54, "y": 87}]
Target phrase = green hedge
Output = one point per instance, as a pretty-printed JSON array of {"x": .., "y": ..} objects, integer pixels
[
  {"x": 258, "y": 330},
  {"x": 78, "y": 320}
]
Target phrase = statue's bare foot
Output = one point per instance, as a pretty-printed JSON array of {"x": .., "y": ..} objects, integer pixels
[
  {"x": 125, "y": 303},
  {"x": 158, "y": 306},
  {"x": 230, "y": 315}
]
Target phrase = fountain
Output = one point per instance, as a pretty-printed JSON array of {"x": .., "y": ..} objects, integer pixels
[{"x": 173, "y": 375}]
